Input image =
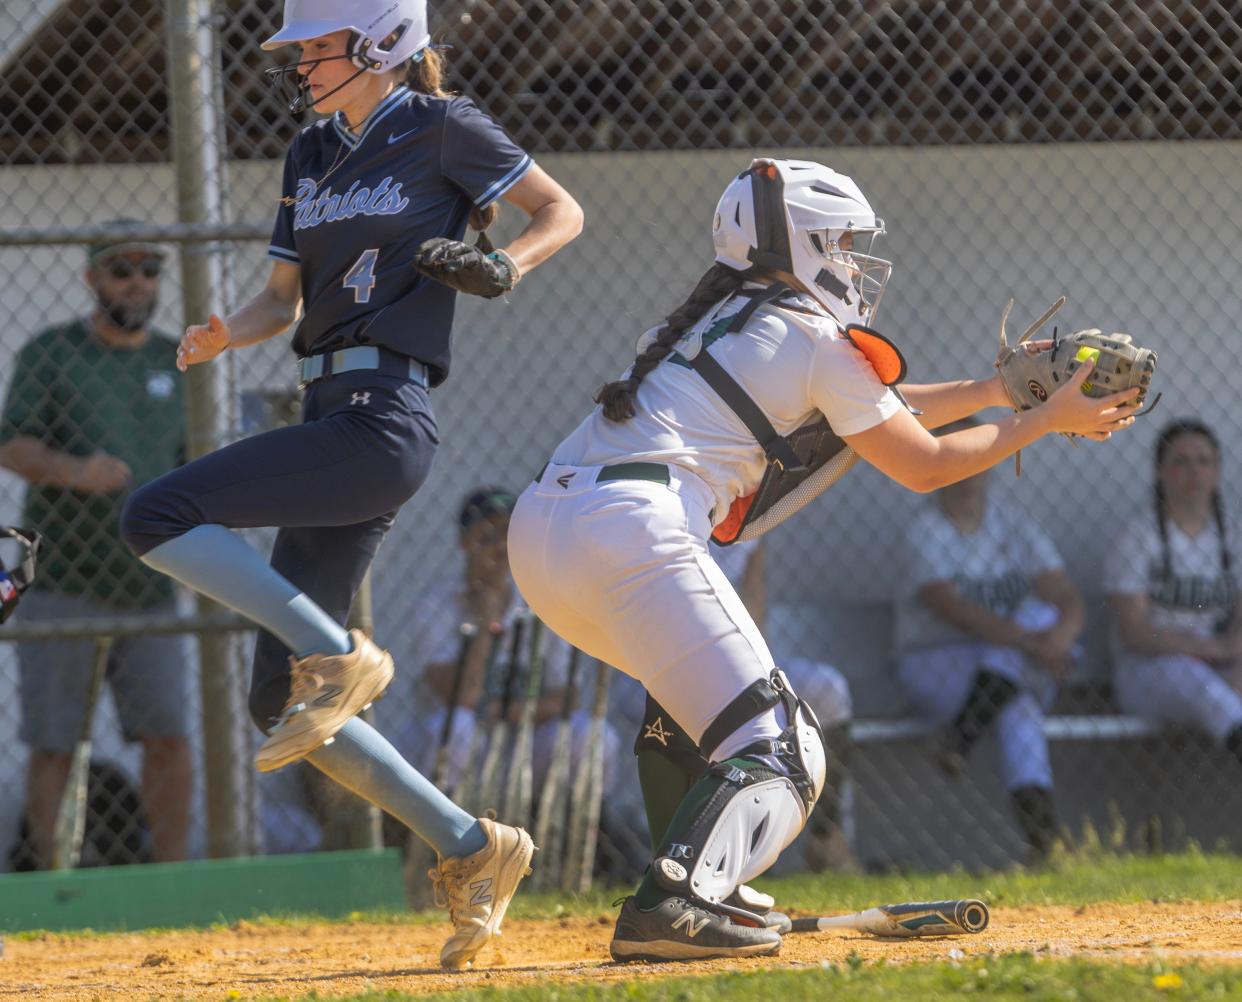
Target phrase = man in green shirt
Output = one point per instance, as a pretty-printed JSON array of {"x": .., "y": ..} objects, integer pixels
[{"x": 94, "y": 410}]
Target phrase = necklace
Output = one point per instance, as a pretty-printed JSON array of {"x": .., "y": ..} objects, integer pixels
[{"x": 342, "y": 154}]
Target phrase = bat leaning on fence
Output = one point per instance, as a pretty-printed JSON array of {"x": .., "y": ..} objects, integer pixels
[
  {"x": 491, "y": 776},
  {"x": 439, "y": 771},
  {"x": 554, "y": 795},
  {"x": 466, "y": 791},
  {"x": 419, "y": 855},
  {"x": 71, "y": 813},
  {"x": 520, "y": 786},
  {"x": 588, "y": 792},
  {"x": 915, "y": 918}
]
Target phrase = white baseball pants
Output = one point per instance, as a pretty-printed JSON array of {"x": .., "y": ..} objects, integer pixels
[{"x": 621, "y": 570}]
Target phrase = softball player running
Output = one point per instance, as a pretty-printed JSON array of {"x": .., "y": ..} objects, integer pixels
[
  {"x": 397, "y": 164},
  {"x": 1170, "y": 578},
  {"x": 609, "y": 545}
]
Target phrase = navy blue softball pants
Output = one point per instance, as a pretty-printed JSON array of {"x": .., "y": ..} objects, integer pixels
[{"x": 332, "y": 484}]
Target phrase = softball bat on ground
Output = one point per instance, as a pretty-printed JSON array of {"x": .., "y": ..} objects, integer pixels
[{"x": 916, "y": 918}]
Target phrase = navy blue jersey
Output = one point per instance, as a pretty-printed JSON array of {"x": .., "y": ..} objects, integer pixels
[{"x": 412, "y": 173}]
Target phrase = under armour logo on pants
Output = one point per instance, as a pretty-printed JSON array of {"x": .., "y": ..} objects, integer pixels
[{"x": 361, "y": 398}]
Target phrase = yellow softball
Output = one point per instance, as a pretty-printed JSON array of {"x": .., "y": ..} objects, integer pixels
[{"x": 1087, "y": 355}]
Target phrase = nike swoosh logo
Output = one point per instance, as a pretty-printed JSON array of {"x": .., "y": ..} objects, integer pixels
[{"x": 393, "y": 139}]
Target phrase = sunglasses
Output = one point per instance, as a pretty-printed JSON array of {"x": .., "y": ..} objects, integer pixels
[{"x": 122, "y": 269}]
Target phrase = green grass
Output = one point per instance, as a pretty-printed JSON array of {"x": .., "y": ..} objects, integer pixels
[
  {"x": 1082, "y": 878},
  {"x": 1015, "y": 976}
]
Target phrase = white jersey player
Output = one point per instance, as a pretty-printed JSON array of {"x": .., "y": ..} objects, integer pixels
[
  {"x": 1177, "y": 632},
  {"x": 987, "y": 621},
  {"x": 609, "y": 545}
]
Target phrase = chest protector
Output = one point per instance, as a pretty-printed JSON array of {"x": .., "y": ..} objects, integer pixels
[{"x": 807, "y": 461}]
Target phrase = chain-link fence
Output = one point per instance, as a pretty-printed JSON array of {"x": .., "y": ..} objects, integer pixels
[{"x": 1015, "y": 150}]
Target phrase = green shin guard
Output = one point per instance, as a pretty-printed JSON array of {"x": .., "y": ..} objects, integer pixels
[{"x": 684, "y": 819}]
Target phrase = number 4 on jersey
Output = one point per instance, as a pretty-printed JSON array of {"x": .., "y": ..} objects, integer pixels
[{"x": 361, "y": 277}]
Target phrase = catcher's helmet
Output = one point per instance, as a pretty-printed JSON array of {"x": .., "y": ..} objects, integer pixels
[{"x": 791, "y": 215}]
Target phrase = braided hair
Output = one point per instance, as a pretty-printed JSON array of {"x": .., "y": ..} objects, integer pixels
[
  {"x": 1170, "y": 433},
  {"x": 618, "y": 397}
]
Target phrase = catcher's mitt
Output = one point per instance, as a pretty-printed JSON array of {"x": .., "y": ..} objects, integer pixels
[
  {"x": 1031, "y": 376},
  {"x": 466, "y": 268}
]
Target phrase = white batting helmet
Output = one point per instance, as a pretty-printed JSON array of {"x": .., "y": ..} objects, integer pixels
[
  {"x": 792, "y": 215},
  {"x": 385, "y": 33}
]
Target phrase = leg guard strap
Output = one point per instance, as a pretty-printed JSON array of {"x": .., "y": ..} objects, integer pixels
[
  {"x": 661, "y": 734},
  {"x": 758, "y": 697}
]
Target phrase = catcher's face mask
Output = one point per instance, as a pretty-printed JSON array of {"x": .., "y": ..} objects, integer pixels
[
  {"x": 16, "y": 581},
  {"x": 802, "y": 217}
]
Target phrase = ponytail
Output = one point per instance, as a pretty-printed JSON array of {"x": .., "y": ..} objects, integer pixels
[
  {"x": 425, "y": 75},
  {"x": 1218, "y": 509},
  {"x": 1166, "y": 568},
  {"x": 619, "y": 398}
]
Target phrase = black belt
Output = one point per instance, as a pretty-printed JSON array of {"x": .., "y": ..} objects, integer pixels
[{"x": 657, "y": 473}]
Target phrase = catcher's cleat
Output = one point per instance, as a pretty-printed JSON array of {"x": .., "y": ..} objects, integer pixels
[
  {"x": 680, "y": 929},
  {"x": 761, "y": 904},
  {"x": 326, "y": 691},
  {"x": 477, "y": 890}
]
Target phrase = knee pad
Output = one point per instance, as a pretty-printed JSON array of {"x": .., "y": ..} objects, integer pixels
[
  {"x": 744, "y": 813},
  {"x": 738, "y": 819},
  {"x": 800, "y": 746}
]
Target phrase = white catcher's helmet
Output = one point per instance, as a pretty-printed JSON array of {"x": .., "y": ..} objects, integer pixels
[
  {"x": 791, "y": 215},
  {"x": 383, "y": 35}
]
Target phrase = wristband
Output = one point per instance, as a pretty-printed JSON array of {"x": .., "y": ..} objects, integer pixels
[{"x": 510, "y": 266}]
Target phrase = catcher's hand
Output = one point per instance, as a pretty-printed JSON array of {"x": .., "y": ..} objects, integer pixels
[
  {"x": 1032, "y": 371},
  {"x": 466, "y": 268}
]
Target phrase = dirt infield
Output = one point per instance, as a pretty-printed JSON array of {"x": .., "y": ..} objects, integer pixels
[{"x": 250, "y": 960}]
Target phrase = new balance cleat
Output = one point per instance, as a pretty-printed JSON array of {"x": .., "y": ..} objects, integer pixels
[
  {"x": 326, "y": 691},
  {"x": 477, "y": 890},
  {"x": 680, "y": 929}
]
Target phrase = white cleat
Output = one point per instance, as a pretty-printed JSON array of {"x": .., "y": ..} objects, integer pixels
[
  {"x": 327, "y": 690},
  {"x": 477, "y": 890}
]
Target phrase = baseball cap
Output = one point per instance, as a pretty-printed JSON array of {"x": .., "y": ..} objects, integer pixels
[
  {"x": 484, "y": 502},
  {"x": 102, "y": 249}
]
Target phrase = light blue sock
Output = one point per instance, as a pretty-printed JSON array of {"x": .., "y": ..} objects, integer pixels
[
  {"x": 362, "y": 760},
  {"x": 218, "y": 563}
]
